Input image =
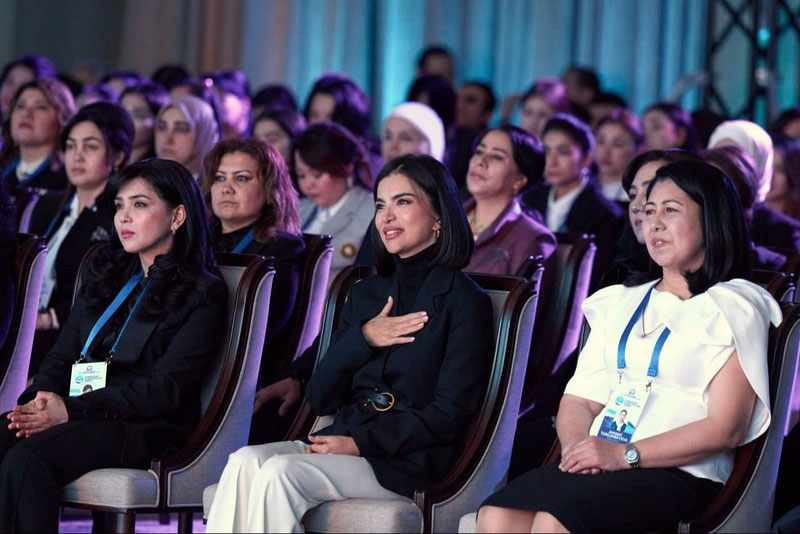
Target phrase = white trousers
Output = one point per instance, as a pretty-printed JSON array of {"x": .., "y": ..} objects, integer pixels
[{"x": 268, "y": 488}]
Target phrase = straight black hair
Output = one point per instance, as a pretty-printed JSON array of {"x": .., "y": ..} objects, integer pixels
[
  {"x": 455, "y": 244},
  {"x": 725, "y": 235},
  {"x": 114, "y": 123},
  {"x": 526, "y": 149},
  {"x": 574, "y": 128},
  {"x": 173, "y": 274}
]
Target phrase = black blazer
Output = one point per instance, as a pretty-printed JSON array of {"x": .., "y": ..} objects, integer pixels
[
  {"x": 153, "y": 383},
  {"x": 288, "y": 251},
  {"x": 592, "y": 213},
  {"x": 772, "y": 229},
  {"x": 8, "y": 254},
  {"x": 440, "y": 378},
  {"x": 91, "y": 227},
  {"x": 52, "y": 177}
]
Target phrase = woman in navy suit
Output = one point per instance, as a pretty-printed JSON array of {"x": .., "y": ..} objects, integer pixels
[
  {"x": 404, "y": 374},
  {"x": 150, "y": 315}
]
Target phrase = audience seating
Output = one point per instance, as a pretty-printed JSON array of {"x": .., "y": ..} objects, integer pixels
[
  {"x": 175, "y": 483},
  {"x": 482, "y": 466},
  {"x": 306, "y": 319},
  {"x": 15, "y": 353},
  {"x": 30, "y": 198},
  {"x": 564, "y": 286},
  {"x": 781, "y": 285}
]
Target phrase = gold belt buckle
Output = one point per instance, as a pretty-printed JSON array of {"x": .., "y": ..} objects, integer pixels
[{"x": 391, "y": 403}]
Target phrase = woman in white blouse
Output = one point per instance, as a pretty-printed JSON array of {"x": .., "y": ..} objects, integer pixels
[{"x": 687, "y": 347}]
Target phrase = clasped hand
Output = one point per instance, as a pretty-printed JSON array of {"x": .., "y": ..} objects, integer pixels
[
  {"x": 332, "y": 445},
  {"x": 593, "y": 455},
  {"x": 44, "y": 411},
  {"x": 385, "y": 331}
]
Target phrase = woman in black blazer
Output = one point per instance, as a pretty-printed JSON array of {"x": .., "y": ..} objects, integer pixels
[
  {"x": 151, "y": 313},
  {"x": 404, "y": 373},
  {"x": 95, "y": 142}
]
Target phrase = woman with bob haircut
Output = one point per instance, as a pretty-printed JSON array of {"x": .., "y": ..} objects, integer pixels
[
  {"x": 685, "y": 347},
  {"x": 150, "y": 315},
  {"x": 185, "y": 131},
  {"x": 507, "y": 161},
  {"x": 254, "y": 211},
  {"x": 404, "y": 373},
  {"x": 570, "y": 201},
  {"x": 30, "y": 156},
  {"x": 96, "y": 142}
]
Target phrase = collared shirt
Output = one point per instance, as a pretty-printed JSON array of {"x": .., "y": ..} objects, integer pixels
[
  {"x": 557, "y": 210},
  {"x": 24, "y": 170},
  {"x": 322, "y": 215},
  {"x": 614, "y": 191}
]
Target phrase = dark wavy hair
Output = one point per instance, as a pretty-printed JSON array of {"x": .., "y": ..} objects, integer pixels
[
  {"x": 725, "y": 236},
  {"x": 280, "y": 209},
  {"x": 183, "y": 269},
  {"x": 527, "y": 151},
  {"x": 681, "y": 119},
  {"x": 274, "y": 97},
  {"x": 291, "y": 122},
  {"x": 352, "y": 105},
  {"x": 171, "y": 75},
  {"x": 455, "y": 244}
]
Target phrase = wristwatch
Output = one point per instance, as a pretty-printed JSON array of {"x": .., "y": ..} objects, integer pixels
[{"x": 632, "y": 455}]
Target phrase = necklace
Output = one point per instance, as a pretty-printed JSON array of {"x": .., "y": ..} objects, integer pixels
[{"x": 473, "y": 224}]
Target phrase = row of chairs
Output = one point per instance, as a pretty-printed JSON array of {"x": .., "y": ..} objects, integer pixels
[{"x": 176, "y": 484}]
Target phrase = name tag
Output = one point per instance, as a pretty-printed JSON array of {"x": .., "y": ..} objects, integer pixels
[
  {"x": 622, "y": 413},
  {"x": 87, "y": 377}
]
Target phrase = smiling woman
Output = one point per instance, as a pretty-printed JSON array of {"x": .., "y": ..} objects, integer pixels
[{"x": 420, "y": 331}]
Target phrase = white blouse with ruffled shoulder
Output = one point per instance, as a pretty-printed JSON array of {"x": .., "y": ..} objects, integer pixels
[{"x": 706, "y": 329}]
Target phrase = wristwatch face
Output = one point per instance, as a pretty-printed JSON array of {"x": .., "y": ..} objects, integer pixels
[{"x": 632, "y": 455}]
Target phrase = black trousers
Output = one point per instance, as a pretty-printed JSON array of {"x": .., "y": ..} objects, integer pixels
[{"x": 34, "y": 469}]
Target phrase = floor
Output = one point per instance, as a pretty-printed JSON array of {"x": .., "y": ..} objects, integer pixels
[{"x": 79, "y": 521}]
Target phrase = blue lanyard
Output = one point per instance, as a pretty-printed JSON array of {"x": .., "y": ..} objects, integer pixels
[
  {"x": 652, "y": 370},
  {"x": 310, "y": 219},
  {"x": 13, "y": 166},
  {"x": 244, "y": 242},
  {"x": 52, "y": 226},
  {"x": 123, "y": 294}
]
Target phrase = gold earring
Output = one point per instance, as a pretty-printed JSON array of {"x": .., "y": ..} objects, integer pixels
[{"x": 437, "y": 233}]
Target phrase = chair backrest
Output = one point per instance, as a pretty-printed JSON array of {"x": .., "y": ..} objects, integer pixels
[
  {"x": 745, "y": 502},
  {"x": 228, "y": 388},
  {"x": 780, "y": 285},
  {"x": 306, "y": 319},
  {"x": 564, "y": 286},
  {"x": 305, "y": 420},
  {"x": 15, "y": 354},
  {"x": 483, "y": 464}
]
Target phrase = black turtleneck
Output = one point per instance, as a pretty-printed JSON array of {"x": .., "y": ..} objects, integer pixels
[
  {"x": 411, "y": 272},
  {"x": 226, "y": 242}
]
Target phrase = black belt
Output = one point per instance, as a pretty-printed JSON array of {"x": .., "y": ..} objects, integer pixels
[{"x": 382, "y": 401}]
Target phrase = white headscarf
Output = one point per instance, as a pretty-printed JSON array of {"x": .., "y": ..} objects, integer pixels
[
  {"x": 755, "y": 141},
  {"x": 426, "y": 121},
  {"x": 200, "y": 116}
]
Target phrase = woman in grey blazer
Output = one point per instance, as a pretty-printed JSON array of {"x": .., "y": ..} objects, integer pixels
[{"x": 332, "y": 171}]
